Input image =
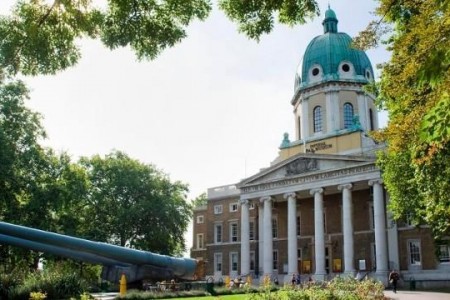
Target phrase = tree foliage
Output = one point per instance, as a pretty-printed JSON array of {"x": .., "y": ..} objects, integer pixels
[
  {"x": 113, "y": 199},
  {"x": 40, "y": 37},
  {"x": 200, "y": 200},
  {"x": 414, "y": 89},
  {"x": 135, "y": 205},
  {"x": 257, "y": 17}
]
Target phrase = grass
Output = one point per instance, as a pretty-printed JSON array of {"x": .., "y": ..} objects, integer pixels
[{"x": 221, "y": 297}]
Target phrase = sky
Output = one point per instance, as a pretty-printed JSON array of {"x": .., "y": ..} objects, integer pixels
[{"x": 209, "y": 112}]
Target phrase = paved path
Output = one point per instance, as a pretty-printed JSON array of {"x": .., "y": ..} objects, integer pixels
[
  {"x": 416, "y": 295},
  {"x": 105, "y": 296}
]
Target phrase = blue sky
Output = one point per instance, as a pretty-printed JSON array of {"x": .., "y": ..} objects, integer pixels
[{"x": 209, "y": 111}]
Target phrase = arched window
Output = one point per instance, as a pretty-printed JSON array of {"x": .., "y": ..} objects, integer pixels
[
  {"x": 317, "y": 113},
  {"x": 348, "y": 115}
]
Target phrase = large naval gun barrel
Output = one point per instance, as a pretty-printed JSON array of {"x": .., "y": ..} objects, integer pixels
[{"x": 116, "y": 260}]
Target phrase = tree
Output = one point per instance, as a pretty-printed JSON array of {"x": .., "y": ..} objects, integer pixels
[
  {"x": 20, "y": 132},
  {"x": 201, "y": 200},
  {"x": 134, "y": 204},
  {"x": 40, "y": 37},
  {"x": 414, "y": 89}
]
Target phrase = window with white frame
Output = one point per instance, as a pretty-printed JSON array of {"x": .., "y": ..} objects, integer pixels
[
  {"x": 233, "y": 232},
  {"x": 200, "y": 219},
  {"x": 218, "y": 233},
  {"x": 444, "y": 253},
  {"x": 275, "y": 260},
  {"x": 218, "y": 209},
  {"x": 252, "y": 230},
  {"x": 274, "y": 228},
  {"x": 233, "y": 207},
  {"x": 348, "y": 115},
  {"x": 317, "y": 119},
  {"x": 414, "y": 252},
  {"x": 409, "y": 220},
  {"x": 298, "y": 226},
  {"x": 217, "y": 262},
  {"x": 251, "y": 205},
  {"x": 233, "y": 261},
  {"x": 200, "y": 241}
]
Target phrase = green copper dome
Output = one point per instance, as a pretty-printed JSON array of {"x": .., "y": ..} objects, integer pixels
[{"x": 330, "y": 57}]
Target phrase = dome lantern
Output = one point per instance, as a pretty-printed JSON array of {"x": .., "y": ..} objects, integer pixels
[{"x": 330, "y": 21}]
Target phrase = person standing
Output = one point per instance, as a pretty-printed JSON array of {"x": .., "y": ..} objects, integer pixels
[{"x": 393, "y": 279}]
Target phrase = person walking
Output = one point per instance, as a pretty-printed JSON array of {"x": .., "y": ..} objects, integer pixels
[{"x": 393, "y": 279}]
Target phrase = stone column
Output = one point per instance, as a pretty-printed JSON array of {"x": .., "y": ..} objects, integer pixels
[
  {"x": 305, "y": 118},
  {"x": 245, "y": 238},
  {"x": 380, "y": 230},
  {"x": 268, "y": 239},
  {"x": 261, "y": 239},
  {"x": 347, "y": 228},
  {"x": 319, "y": 234},
  {"x": 363, "y": 111},
  {"x": 392, "y": 236},
  {"x": 333, "y": 115},
  {"x": 292, "y": 234}
]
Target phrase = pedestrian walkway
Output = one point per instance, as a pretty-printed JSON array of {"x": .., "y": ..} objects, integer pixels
[
  {"x": 105, "y": 296},
  {"x": 416, "y": 295}
]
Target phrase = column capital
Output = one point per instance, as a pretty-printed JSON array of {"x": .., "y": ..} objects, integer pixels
[
  {"x": 244, "y": 201},
  {"x": 375, "y": 181},
  {"x": 290, "y": 195},
  {"x": 314, "y": 191},
  {"x": 347, "y": 186},
  {"x": 265, "y": 198}
]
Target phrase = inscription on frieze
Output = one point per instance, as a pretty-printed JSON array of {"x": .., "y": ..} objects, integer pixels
[
  {"x": 307, "y": 179},
  {"x": 301, "y": 165}
]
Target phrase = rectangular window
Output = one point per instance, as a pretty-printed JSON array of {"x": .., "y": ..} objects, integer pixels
[
  {"x": 217, "y": 262},
  {"x": 444, "y": 253},
  {"x": 233, "y": 232},
  {"x": 234, "y": 261},
  {"x": 274, "y": 228},
  {"x": 299, "y": 253},
  {"x": 252, "y": 230},
  {"x": 298, "y": 225},
  {"x": 200, "y": 219},
  {"x": 252, "y": 261},
  {"x": 414, "y": 252},
  {"x": 251, "y": 205},
  {"x": 409, "y": 220},
  {"x": 218, "y": 209},
  {"x": 200, "y": 241},
  {"x": 218, "y": 233},
  {"x": 233, "y": 207},
  {"x": 275, "y": 260}
]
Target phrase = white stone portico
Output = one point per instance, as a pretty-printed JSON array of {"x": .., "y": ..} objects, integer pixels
[{"x": 306, "y": 176}]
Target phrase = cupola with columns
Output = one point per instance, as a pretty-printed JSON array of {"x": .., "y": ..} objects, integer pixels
[{"x": 332, "y": 110}]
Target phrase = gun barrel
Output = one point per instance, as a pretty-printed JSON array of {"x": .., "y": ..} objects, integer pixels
[
  {"x": 82, "y": 256},
  {"x": 181, "y": 267}
]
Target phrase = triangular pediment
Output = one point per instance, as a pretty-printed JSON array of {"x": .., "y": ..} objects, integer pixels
[{"x": 305, "y": 164}]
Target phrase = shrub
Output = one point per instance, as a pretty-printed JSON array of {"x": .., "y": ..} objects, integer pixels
[{"x": 54, "y": 285}]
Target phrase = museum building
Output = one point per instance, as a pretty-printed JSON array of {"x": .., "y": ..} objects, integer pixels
[{"x": 320, "y": 209}]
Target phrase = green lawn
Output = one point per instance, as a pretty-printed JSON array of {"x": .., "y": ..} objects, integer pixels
[{"x": 221, "y": 297}]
